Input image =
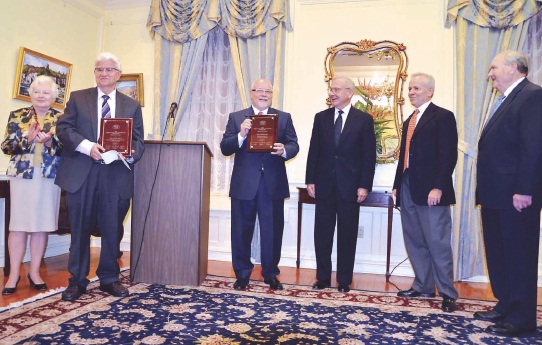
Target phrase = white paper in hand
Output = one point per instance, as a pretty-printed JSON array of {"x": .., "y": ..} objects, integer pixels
[{"x": 113, "y": 155}]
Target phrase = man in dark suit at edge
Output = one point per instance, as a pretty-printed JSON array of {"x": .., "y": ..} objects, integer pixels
[
  {"x": 96, "y": 192},
  {"x": 424, "y": 189},
  {"x": 259, "y": 186},
  {"x": 509, "y": 190},
  {"x": 340, "y": 171}
]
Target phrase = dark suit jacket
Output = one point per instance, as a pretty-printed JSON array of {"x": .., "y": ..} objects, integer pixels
[
  {"x": 433, "y": 156},
  {"x": 510, "y": 150},
  {"x": 350, "y": 165},
  {"x": 247, "y": 167},
  {"x": 79, "y": 122}
]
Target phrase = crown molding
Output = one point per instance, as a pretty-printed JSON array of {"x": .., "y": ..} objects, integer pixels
[
  {"x": 97, "y": 8},
  {"x": 121, "y": 4},
  {"x": 367, "y": 2}
]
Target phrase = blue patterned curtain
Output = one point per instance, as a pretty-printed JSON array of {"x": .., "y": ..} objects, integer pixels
[
  {"x": 181, "y": 27},
  {"x": 483, "y": 28}
]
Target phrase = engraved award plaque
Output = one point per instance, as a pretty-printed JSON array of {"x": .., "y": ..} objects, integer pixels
[
  {"x": 264, "y": 133},
  {"x": 116, "y": 134}
]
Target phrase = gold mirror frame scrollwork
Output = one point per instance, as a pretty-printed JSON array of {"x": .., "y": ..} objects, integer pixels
[{"x": 378, "y": 50}]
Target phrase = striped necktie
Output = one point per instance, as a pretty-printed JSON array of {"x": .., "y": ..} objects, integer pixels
[
  {"x": 410, "y": 131},
  {"x": 106, "y": 111}
]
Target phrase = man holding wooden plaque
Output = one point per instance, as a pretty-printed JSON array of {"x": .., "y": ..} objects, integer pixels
[
  {"x": 99, "y": 129},
  {"x": 262, "y": 139}
]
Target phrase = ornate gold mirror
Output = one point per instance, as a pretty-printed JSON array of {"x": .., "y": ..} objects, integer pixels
[{"x": 379, "y": 71}]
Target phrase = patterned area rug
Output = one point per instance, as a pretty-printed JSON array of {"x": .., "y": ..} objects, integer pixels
[{"x": 214, "y": 313}]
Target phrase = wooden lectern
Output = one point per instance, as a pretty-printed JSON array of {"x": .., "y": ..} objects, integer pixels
[{"x": 169, "y": 241}]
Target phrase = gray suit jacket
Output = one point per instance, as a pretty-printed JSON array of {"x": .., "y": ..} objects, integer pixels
[{"x": 79, "y": 122}]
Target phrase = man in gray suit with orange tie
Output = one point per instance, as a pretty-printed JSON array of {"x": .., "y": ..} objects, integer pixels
[
  {"x": 95, "y": 191},
  {"x": 424, "y": 189},
  {"x": 259, "y": 186},
  {"x": 509, "y": 189}
]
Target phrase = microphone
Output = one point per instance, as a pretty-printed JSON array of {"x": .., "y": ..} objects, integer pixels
[{"x": 171, "y": 114}]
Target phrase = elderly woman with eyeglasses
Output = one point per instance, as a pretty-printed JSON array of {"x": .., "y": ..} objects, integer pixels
[{"x": 35, "y": 199}]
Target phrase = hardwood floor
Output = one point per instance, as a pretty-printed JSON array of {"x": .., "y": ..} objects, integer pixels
[{"x": 55, "y": 274}]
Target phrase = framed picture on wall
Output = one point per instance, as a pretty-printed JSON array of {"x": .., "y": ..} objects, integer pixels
[
  {"x": 30, "y": 64},
  {"x": 132, "y": 86}
]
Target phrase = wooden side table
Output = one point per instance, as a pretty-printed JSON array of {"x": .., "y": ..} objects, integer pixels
[{"x": 374, "y": 199}]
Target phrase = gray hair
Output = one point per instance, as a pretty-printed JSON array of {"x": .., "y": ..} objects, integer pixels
[
  {"x": 513, "y": 56},
  {"x": 44, "y": 79},
  {"x": 107, "y": 57},
  {"x": 429, "y": 80},
  {"x": 349, "y": 84}
]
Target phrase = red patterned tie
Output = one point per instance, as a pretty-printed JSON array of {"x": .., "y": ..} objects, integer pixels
[
  {"x": 260, "y": 113},
  {"x": 410, "y": 131}
]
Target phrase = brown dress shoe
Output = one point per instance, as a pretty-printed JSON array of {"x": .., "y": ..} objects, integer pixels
[
  {"x": 448, "y": 304},
  {"x": 115, "y": 289},
  {"x": 73, "y": 292}
]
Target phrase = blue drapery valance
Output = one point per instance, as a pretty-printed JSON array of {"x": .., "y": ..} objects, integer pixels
[
  {"x": 181, "y": 21},
  {"x": 498, "y": 14}
]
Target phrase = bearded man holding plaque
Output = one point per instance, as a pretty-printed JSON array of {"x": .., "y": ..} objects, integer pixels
[
  {"x": 98, "y": 184},
  {"x": 262, "y": 139}
]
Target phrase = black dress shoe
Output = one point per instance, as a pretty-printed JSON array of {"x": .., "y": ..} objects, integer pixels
[
  {"x": 322, "y": 284},
  {"x": 490, "y": 315},
  {"x": 115, "y": 289},
  {"x": 73, "y": 292},
  {"x": 448, "y": 304},
  {"x": 11, "y": 291},
  {"x": 240, "y": 284},
  {"x": 508, "y": 330},
  {"x": 39, "y": 287},
  {"x": 274, "y": 283},
  {"x": 411, "y": 293},
  {"x": 343, "y": 288}
]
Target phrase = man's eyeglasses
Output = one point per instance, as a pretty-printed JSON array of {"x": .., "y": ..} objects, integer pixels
[
  {"x": 335, "y": 89},
  {"x": 107, "y": 69},
  {"x": 267, "y": 92}
]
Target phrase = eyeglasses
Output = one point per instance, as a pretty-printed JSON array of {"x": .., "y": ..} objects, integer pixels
[
  {"x": 335, "y": 89},
  {"x": 107, "y": 69},
  {"x": 267, "y": 92}
]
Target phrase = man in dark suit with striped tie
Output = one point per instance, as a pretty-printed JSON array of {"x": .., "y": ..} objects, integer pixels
[
  {"x": 424, "y": 189},
  {"x": 95, "y": 191},
  {"x": 258, "y": 186},
  {"x": 340, "y": 172},
  {"x": 509, "y": 189}
]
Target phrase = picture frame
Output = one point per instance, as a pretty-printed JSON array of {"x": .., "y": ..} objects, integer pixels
[
  {"x": 132, "y": 86},
  {"x": 30, "y": 64}
]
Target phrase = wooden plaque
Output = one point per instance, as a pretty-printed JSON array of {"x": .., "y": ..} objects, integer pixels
[
  {"x": 116, "y": 134},
  {"x": 264, "y": 133}
]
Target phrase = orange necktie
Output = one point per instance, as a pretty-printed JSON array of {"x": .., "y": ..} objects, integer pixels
[{"x": 410, "y": 131}]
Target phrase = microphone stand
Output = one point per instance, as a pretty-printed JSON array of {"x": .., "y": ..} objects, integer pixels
[{"x": 171, "y": 127}]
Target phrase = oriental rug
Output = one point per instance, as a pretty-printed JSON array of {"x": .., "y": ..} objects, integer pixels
[{"x": 214, "y": 313}]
